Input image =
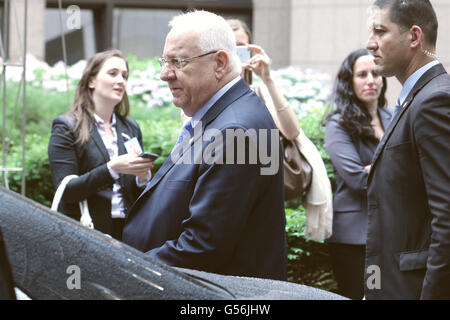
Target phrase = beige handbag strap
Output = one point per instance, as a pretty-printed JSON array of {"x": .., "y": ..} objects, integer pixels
[
  {"x": 59, "y": 192},
  {"x": 85, "y": 219}
]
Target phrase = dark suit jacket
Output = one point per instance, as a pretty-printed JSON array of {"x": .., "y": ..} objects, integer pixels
[
  {"x": 349, "y": 155},
  {"x": 408, "y": 196},
  {"x": 221, "y": 218},
  {"x": 89, "y": 162}
]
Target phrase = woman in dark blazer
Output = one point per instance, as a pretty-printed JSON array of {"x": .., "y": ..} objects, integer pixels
[
  {"x": 353, "y": 131},
  {"x": 95, "y": 140}
]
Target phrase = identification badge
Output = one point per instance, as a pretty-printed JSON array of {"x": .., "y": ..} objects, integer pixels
[{"x": 133, "y": 146}]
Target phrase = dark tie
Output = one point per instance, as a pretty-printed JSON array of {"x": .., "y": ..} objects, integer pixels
[
  {"x": 186, "y": 131},
  {"x": 398, "y": 107}
]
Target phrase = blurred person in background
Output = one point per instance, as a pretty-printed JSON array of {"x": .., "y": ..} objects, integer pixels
[
  {"x": 353, "y": 130},
  {"x": 96, "y": 141}
]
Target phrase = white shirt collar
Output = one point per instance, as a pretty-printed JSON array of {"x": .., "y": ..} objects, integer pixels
[
  {"x": 198, "y": 115},
  {"x": 412, "y": 80},
  {"x": 99, "y": 120}
]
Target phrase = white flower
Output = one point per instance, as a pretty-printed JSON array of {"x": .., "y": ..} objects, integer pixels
[
  {"x": 154, "y": 102},
  {"x": 14, "y": 73},
  {"x": 76, "y": 71},
  {"x": 305, "y": 89}
]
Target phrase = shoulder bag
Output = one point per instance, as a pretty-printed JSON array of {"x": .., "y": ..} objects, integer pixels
[
  {"x": 85, "y": 219},
  {"x": 297, "y": 170}
]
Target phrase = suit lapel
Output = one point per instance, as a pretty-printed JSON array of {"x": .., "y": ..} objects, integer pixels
[
  {"x": 389, "y": 130},
  {"x": 426, "y": 77},
  {"x": 234, "y": 93},
  {"x": 120, "y": 128},
  {"x": 99, "y": 142},
  {"x": 386, "y": 118}
]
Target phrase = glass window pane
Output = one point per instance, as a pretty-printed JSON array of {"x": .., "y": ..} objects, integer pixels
[
  {"x": 141, "y": 32},
  {"x": 80, "y": 43},
  {"x": 3, "y": 39}
]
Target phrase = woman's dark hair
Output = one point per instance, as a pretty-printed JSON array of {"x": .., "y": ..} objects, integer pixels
[
  {"x": 355, "y": 117},
  {"x": 83, "y": 107}
]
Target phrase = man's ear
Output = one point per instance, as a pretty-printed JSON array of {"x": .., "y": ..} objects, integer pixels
[
  {"x": 222, "y": 63},
  {"x": 416, "y": 36}
]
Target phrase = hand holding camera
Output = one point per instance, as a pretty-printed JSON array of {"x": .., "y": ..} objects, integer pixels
[{"x": 258, "y": 63}]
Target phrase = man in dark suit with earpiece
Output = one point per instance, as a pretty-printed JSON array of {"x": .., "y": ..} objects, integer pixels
[{"x": 408, "y": 239}]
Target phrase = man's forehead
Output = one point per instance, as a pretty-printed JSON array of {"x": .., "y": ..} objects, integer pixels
[
  {"x": 378, "y": 17},
  {"x": 183, "y": 33},
  {"x": 180, "y": 41}
]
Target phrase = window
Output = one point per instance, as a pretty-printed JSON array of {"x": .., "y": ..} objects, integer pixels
[
  {"x": 141, "y": 32},
  {"x": 80, "y": 43},
  {"x": 4, "y": 36},
  {"x": 135, "y": 27}
]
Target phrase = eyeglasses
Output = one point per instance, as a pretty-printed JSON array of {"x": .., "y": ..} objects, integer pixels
[{"x": 180, "y": 62}]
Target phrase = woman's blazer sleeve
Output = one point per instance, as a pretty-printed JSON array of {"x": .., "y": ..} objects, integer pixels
[
  {"x": 345, "y": 157},
  {"x": 66, "y": 158}
]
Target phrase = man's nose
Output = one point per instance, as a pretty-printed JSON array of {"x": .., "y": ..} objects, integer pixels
[
  {"x": 167, "y": 73},
  {"x": 371, "y": 44}
]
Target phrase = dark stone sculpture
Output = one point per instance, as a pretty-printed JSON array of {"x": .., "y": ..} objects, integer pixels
[
  {"x": 6, "y": 282},
  {"x": 54, "y": 257}
]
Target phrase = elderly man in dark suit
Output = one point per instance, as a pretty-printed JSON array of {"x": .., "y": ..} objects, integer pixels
[
  {"x": 213, "y": 205},
  {"x": 408, "y": 239}
]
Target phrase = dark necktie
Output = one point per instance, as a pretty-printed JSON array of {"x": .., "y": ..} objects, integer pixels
[
  {"x": 185, "y": 132},
  {"x": 397, "y": 109}
]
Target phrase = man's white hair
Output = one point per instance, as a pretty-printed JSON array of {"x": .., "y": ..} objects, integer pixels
[{"x": 214, "y": 33}]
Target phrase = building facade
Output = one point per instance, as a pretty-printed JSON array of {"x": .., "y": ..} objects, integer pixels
[{"x": 315, "y": 34}]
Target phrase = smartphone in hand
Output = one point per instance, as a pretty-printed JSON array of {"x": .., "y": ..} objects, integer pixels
[
  {"x": 149, "y": 155},
  {"x": 244, "y": 53}
]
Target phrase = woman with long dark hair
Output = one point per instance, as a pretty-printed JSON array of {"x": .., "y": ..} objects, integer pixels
[
  {"x": 353, "y": 131},
  {"x": 97, "y": 141}
]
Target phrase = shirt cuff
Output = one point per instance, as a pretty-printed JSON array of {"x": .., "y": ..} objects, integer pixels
[
  {"x": 113, "y": 174},
  {"x": 143, "y": 184}
]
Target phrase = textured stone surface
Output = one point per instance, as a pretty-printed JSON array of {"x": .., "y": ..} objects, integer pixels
[{"x": 42, "y": 245}]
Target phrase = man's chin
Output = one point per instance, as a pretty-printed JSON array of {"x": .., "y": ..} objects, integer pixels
[
  {"x": 386, "y": 73},
  {"x": 379, "y": 69},
  {"x": 186, "y": 111},
  {"x": 177, "y": 104}
]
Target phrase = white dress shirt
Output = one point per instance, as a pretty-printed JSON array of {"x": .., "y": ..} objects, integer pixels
[{"x": 117, "y": 207}]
